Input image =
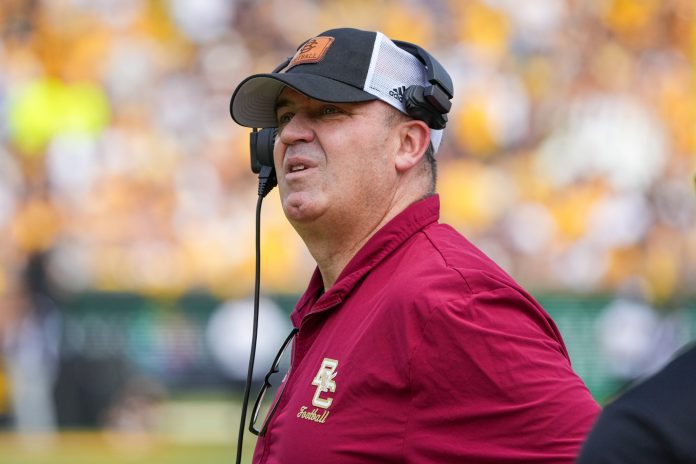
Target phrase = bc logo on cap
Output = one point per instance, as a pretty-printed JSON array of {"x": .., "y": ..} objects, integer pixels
[{"x": 312, "y": 51}]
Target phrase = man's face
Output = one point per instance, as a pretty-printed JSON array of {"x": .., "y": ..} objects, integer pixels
[{"x": 334, "y": 162}]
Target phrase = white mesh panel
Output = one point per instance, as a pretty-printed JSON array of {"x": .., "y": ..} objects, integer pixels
[{"x": 392, "y": 70}]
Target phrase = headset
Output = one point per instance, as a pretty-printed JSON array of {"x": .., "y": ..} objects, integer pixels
[{"x": 429, "y": 104}]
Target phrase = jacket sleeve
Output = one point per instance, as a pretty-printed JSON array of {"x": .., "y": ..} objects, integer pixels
[
  {"x": 492, "y": 383},
  {"x": 654, "y": 421},
  {"x": 620, "y": 436}
]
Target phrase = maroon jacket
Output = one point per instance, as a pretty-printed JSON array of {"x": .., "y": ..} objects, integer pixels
[{"x": 425, "y": 351}]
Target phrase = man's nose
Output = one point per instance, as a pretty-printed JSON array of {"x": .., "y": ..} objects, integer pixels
[{"x": 298, "y": 129}]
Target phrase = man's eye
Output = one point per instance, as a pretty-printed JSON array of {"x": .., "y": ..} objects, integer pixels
[
  {"x": 284, "y": 118},
  {"x": 330, "y": 110}
]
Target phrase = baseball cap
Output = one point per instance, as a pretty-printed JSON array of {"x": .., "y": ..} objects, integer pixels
[{"x": 338, "y": 66}]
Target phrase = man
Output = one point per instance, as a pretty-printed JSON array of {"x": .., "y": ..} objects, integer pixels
[
  {"x": 653, "y": 422},
  {"x": 412, "y": 345}
]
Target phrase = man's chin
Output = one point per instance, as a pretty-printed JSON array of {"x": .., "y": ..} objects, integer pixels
[{"x": 300, "y": 209}]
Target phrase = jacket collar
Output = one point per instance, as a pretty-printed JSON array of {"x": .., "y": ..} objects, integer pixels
[{"x": 407, "y": 223}]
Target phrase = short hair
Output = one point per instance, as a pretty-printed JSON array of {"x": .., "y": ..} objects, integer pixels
[{"x": 431, "y": 165}]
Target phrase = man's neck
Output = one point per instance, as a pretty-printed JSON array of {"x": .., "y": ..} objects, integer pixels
[
  {"x": 334, "y": 245},
  {"x": 333, "y": 251}
]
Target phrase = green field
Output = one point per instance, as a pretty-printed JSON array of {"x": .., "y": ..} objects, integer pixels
[
  {"x": 194, "y": 430},
  {"x": 100, "y": 448}
]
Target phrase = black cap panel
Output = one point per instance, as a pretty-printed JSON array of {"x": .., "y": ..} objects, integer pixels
[{"x": 336, "y": 72}]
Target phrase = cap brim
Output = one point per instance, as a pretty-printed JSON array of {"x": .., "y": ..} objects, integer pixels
[{"x": 253, "y": 102}]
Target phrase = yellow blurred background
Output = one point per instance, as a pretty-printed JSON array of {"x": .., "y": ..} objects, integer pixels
[{"x": 125, "y": 186}]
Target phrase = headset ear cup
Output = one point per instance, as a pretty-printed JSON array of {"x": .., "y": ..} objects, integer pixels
[
  {"x": 261, "y": 148},
  {"x": 418, "y": 108},
  {"x": 412, "y": 99},
  {"x": 266, "y": 143}
]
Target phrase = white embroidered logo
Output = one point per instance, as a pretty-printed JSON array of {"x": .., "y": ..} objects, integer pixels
[{"x": 324, "y": 381}]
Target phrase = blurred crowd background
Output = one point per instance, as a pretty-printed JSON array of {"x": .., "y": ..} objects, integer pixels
[{"x": 569, "y": 159}]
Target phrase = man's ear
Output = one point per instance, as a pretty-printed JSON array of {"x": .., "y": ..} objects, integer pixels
[{"x": 413, "y": 142}]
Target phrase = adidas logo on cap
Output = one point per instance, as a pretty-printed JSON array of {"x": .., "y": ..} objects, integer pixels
[{"x": 398, "y": 93}]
